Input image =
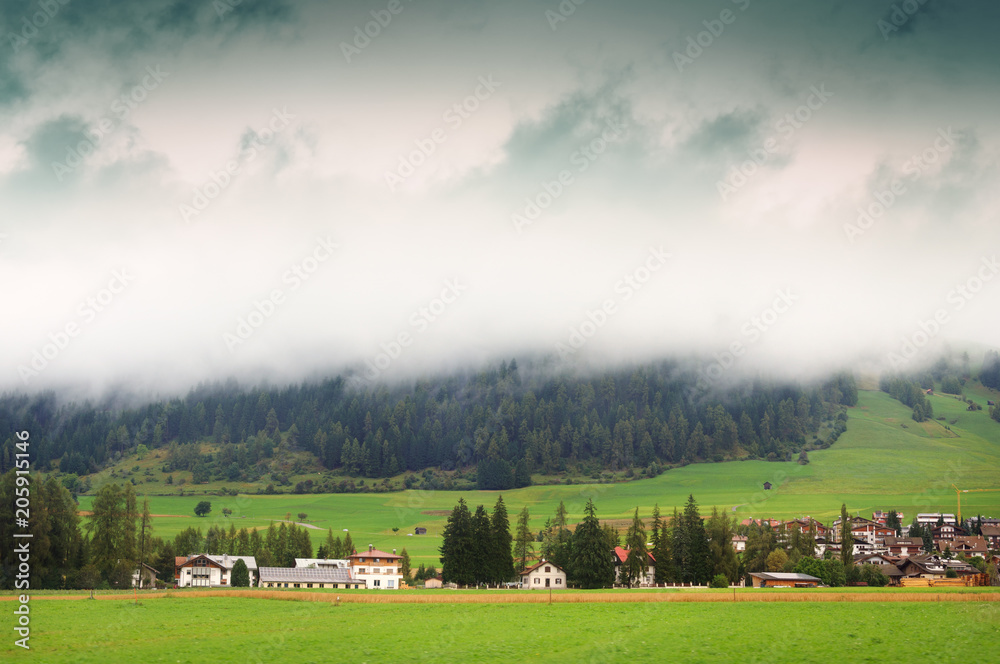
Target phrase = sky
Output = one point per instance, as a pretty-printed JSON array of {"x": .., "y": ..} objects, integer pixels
[{"x": 191, "y": 191}]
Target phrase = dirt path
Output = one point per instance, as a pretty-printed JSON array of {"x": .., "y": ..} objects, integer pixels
[
  {"x": 533, "y": 597},
  {"x": 304, "y": 525}
]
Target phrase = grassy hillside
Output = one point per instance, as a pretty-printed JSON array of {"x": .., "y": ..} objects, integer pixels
[{"x": 884, "y": 460}]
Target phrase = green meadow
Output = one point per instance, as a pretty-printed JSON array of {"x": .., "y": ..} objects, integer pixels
[
  {"x": 182, "y": 630},
  {"x": 884, "y": 460}
]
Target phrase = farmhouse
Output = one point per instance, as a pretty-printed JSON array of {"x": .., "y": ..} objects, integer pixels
[
  {"x": 377, "y": 569},
  {"x": 307, "y": 577},
  {"x": 739, "y": 543},
  {"x": 931, "y": 566},
  {"x": 147, "y": 579},
  {"x": 543, "y": 574},
  {"x": 202, "y": 570},
  {"x": 419, "y": 531},
  {"x": 970, "y": 546},
  {"x": 621, "y": 555},
  {"x": 783, "y": 580},
  {"x": 904, "y": 546}
]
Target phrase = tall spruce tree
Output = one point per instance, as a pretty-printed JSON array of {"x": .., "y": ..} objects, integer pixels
[
  {"x": 501, "y": 557},
  {"x": 524, "y": 547},
  {"x": 636, "y": 562},
  {"x": 482, "y": 546},
  {"x": 592, "y": 565},
  {"x": 663, "y": 552},
  {"x": 457, "y": 564},
  {"x": 846, "y": 538}
]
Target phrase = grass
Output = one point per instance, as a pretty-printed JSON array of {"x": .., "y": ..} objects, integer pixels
[
  {"x": 884, "y": 460},
  {"x": 183, "y": 629}
]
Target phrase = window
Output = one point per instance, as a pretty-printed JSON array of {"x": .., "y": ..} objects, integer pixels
[
  {"x": 558, "y": 582},
  {"x": 376, "y": 583},
  {"x": 309, "y": 585},
  {"x": 295, "y": 585},
  {"x": 548, "y": 569},
  {"x": 389, "y": 584},
  {"x": 376, "y": 571},
  {"x": 362, "y": 571},
  {"x": 537, "y": 581}
]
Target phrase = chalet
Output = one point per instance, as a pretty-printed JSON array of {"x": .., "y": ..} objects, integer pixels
[
  {"x": 932, "y": 566},
  {"x": 419, "y": 531},
  {"x": 377, "y": 569},
  {"x": 858, "y": 523},
  {"x": 307, "y": 577},
  {"x": 649, "y": 576},
  {"x": 992, "y": 536},
  {"x": 902, "y": 547},
  {"x": 767, "y": 486},
  {"x": 739, "y": 543},
  {"x": 805, "y": 525},
  {"x": 202, "y": 570},
  {"x": 783, "y": 580},
  {"x": 970, "y": 545},
  {"x": 872, "y": 532},
  {"x": 946, "y": 532},
  {"x": 323, "y": 563},
  {"x": 147, "y": 579},
  {"x": 543, "y": 574},
  {"x": 885, "y": 563}
]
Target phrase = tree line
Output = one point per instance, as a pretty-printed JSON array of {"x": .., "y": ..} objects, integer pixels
[{"x": 494, "y": 421}]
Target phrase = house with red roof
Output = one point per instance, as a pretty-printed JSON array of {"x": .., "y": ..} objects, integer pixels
[{"x": 378, "y": 569}]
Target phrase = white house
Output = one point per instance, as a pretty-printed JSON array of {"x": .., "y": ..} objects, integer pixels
[
  {"x": 543, "y": 575},
  {"x": 378, "y": 569},
  {"x": 205, "y": 571}
]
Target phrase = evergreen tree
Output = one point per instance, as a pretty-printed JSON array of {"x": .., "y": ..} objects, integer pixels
[
  {"x": 482, "y": 544},
  {"x": 457, "y": 564},
  {"x": 524, "y": 547},
  {"x": 404, "y": 564},
  {"x": 502, "y": 559},
  {"x": 846, "y": 538},
  {"x": 663, "y": 553},
  {"x": 691, "y": 554},
  {"x": 720, "y": 543},
  {"x": 636, "y": 562},
  {"x": 592, "y": 565},
  {"x": 241, "y": 575}
]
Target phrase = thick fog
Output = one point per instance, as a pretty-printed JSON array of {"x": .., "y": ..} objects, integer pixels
[{"x": 191, "y": 190}]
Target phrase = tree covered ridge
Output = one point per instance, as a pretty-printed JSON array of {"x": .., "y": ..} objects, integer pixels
[{"x": 506, "y": 425}]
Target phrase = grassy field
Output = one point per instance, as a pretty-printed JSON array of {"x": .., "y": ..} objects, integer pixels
[
  {"x": 182, "y": 629},
  {"x": 885, "y": 460}
]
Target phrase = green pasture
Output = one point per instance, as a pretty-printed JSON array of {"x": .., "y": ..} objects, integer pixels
[
  {"x": 884, "y": 460},
  {"x": 182, "y": 630}
]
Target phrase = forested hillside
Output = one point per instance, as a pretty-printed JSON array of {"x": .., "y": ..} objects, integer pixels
[{"x": 506, "y": 425}]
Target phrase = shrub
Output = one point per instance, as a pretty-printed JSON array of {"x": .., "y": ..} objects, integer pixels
[{"x": 719, "y": 581}]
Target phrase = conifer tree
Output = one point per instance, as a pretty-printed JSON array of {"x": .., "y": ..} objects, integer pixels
[
  {"x": 636, "y": 561},
  {"x": 592, "y": 564}
]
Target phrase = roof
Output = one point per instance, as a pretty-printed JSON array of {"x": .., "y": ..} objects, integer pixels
[
  {"x": 784, "y": 576},
  {"x": 305, "y": 575},
  {"x": 373, "y": 553},
  {"x": 903, "y": 541},
  {"x": 224, "y": 561},
  {"x": 541, "y": 562},
  {"x": 179, "y": 560},
  {"x": 321, "y": 562},
  {"x": 991, "y": 531}
]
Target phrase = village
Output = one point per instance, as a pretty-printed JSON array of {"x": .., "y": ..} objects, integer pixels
[{"x": 946, "y": 558}]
